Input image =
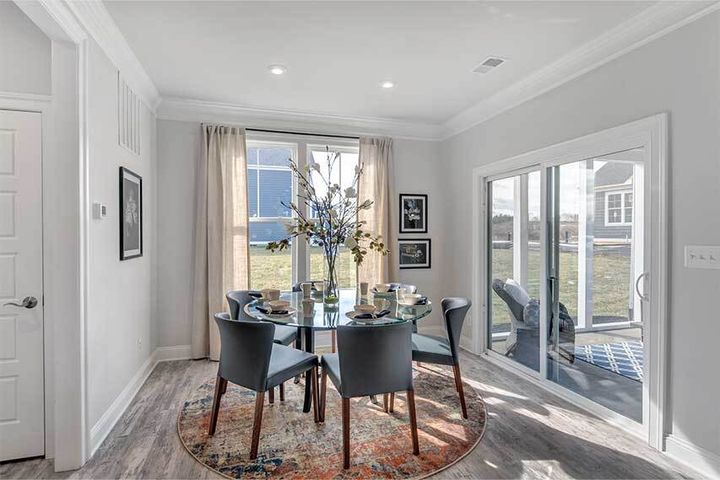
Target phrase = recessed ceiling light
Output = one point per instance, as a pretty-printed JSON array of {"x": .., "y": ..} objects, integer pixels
[
  {"x": 387, "y": 84},
  {"x": 277, "y": 69}
]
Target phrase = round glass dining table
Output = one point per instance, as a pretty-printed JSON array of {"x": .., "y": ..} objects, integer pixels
[{"x": 328, "y": 317}]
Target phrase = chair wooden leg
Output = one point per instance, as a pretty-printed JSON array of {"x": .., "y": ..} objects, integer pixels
[
  {"x": 271, "y": 395},
  {"x": 461, "y": 392},
  {"x": 257, "y": 423},
  {"x": 220, "y": 384},
  {"x": 413, "y": 421},
  {"x": 385, "y": 402},
  {"x": 224, "y": 386},
  {"x": 282, "y": 392},
  {"x": 323, "y": 395},
  {"x": 392, "y": 402},
  {"x": 315, "y": 395},
  {"x": 334, "y": 341},
  {"x": 346, "y": 432}
]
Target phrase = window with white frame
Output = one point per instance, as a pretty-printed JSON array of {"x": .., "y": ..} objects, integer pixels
[
  {"x": 619, "y": 208},
  {"x": 270, "y": 184}
]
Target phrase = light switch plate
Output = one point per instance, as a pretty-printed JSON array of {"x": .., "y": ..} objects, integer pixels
[{"x": 698, "y": 256}]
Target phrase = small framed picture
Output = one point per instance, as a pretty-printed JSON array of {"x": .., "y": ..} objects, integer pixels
[
  {"x": 413, "y": 213},
  {"x": 414, "y": 253},
  {"x": 131, "y": 233}
]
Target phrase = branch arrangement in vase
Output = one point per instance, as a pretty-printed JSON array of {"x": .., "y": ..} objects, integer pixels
[{"x": 331, "y": 218}]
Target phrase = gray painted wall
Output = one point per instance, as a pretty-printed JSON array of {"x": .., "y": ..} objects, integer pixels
[
  {"x": 24, "y": 53},
  {"x": 121, "y": 300},
  {"x": 636, "y": 85}
]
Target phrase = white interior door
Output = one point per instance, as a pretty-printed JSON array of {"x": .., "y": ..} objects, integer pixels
[{"x": 22, "y": 419}]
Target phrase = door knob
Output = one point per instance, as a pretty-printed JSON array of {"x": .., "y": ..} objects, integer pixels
[{"x": 27, "y": 302}]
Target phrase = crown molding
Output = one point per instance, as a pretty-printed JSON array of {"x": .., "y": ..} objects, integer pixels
[
  {"x": 97, "y": 21},
  {"x": 650, "y": 24},
  {"x": 55, "y": 20},
  {"x": 193, "y": 110}
]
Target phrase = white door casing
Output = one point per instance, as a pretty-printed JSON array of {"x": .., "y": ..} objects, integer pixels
[{"x": 22, "y": 418}]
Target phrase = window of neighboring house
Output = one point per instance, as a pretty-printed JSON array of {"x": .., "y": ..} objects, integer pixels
[
  {"x": 343, "y": 174},
  {"x": 618, "y": 208},
  {"x": 270, "y": 183}
]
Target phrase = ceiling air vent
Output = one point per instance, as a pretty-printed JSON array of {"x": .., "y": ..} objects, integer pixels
[{"x": 489, "y": 64}]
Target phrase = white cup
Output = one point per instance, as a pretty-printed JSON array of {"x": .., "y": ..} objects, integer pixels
[
  {"x": 306, "y": 289},
  {"x": 270, "y": 294}
]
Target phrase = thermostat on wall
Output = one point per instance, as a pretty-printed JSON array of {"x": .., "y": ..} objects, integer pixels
[{"x": 99, "y": 210}]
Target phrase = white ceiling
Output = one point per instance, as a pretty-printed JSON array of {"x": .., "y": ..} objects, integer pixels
[{"x": 337, "y": 53}]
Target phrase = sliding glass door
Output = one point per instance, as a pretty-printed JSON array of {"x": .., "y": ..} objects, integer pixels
[
  {"x": 564, "y": 251},
  {"x": 595, "y": 254},
  {"x": 514, "y": 261}
]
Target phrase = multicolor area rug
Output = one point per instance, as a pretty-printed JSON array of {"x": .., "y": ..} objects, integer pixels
[
  {"x": 623, "y": 358},
  {"x": 292, "y": 445}
]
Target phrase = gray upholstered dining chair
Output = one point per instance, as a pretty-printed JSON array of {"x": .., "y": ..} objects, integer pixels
[
  {"x": 250, "y": 358},
  {"x": 237, "y": 299},
  {"x": 444, "y": 351},
  {"x": 371, "y": 360}
]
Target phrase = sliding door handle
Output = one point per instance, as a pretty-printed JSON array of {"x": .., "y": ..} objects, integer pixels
[{"x": 637, "y": 286}]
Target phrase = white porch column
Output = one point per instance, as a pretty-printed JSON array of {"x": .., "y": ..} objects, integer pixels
[
  {"x": 586, "y": 216},
  {"x": 520, "y": 231}
]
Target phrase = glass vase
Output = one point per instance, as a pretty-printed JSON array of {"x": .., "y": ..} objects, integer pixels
[{"x": 331, "y": 295}]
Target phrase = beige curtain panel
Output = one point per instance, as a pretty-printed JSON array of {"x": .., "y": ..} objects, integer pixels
[
  {"x": 375, "y": 185},
  {"x": 221, "y": 232}
]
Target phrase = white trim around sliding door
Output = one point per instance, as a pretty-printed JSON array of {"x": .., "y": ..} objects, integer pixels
[{"x": 651, "y": 134}]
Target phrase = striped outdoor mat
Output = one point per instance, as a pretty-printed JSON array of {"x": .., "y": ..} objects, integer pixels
[{"x": 623, "y": 358}]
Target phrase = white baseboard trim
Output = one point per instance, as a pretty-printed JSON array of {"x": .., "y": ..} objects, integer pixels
[
  {"x": 704, "y": 462},
  {"x": 107, "y": 421},
  {"x": 176, "y": 352}
]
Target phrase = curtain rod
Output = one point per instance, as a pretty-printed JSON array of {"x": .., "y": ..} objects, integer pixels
[{"x": 261, "y": 130}]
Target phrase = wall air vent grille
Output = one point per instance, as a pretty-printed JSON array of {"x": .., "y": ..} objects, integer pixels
[
  {"x": 489, "y": 64},
  {"x": 128, "y": 117}
]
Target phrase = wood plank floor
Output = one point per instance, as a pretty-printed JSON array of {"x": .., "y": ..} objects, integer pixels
[{"x": 530, "y": 434}]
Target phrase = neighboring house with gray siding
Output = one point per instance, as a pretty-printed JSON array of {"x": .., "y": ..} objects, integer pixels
[{"x": 614, "y": 201}]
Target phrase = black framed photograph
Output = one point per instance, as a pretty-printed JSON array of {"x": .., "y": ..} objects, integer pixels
[
  {"x": 413, "y": 213},
  {"x": 131, "y": 233},
  {"x": 414, "y": 253}
]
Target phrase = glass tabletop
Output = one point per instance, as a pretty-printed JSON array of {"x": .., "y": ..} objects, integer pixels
[{"x": 327, "y": 317}]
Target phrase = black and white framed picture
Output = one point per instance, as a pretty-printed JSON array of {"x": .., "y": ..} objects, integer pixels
[
  {"x": 131, "y": 234},
  {"x": 413, "y": 213},
  {"x": 414, "y": 253}
]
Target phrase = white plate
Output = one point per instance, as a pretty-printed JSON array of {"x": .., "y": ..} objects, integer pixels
[
  {"x": 405, "y": 304},
  {"x": 352, "y": 314},
  {"x": 291, "y": 311}
]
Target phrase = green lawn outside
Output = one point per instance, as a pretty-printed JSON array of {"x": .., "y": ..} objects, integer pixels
[
  {"x": 611, "y": 277},
  {"x": 274, "y": 270}
]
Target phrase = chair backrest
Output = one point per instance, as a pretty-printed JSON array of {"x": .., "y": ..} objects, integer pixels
[
  {"x": 245, "y": 349},
  {"x": 406, "y": 286},
  {"x": 454, "y": 310},
  {"x": 516, "y": 308},
  {"x": 374, "y": 359},
  {"x": 237, "y": 299}
]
